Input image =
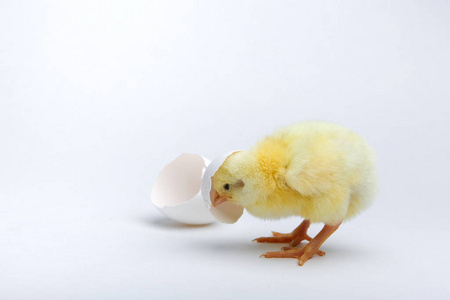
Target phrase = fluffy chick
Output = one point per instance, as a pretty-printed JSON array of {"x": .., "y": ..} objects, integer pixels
[{"x": 320, "y": 171}]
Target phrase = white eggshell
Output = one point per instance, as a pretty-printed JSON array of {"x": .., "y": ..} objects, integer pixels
[
  {"x": 226, "y": 212},
  {"x": 176, "y": 192}
]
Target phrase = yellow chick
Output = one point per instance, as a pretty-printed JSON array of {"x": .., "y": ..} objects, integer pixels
[{"x": 320, "y": 171}]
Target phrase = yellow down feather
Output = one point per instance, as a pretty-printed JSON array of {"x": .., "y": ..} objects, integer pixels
[{"x": 317, "y": 170}]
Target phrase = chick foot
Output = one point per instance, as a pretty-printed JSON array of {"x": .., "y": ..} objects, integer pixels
[
  {"x": 303, "y": 254},
  {"x": 294, "y": 238},
  {"x": 290, "y": 238},
  {"x": 308, "y": 251}
]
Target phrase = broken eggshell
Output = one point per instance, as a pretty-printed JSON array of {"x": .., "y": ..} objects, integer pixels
[
  {"x": 226, "y": 212},
  {"x": 184, "y": 185},
  {"x": 176, "y": 192}
]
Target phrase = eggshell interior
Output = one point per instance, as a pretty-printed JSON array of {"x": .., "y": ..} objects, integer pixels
[
  {"x": 226, "y": 212},
  {"x": 176, "y": 192}
]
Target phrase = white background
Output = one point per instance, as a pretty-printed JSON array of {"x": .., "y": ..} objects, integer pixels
[{"x": 97, "y": 96}]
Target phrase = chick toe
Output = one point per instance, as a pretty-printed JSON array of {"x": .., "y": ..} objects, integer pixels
[
  {"x": 290, "y": 238},
  {"x": 303, "y": 254},
  {"x": 294, "y": 238}
]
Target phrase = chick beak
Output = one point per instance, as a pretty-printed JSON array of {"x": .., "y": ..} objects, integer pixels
[{"x": 218, "y": 200}]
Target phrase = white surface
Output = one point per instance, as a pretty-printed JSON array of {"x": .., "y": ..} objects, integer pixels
[{"x": 97, "y": 96}]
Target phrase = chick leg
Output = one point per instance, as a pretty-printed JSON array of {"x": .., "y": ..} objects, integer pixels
[
  {"x": 294, "y": 238},
  {"x": 308, "y": 251}
]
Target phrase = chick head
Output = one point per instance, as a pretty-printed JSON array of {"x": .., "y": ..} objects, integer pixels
[
  {"x": 230, "y": 182},
  {"x": 227, "y": 187}
]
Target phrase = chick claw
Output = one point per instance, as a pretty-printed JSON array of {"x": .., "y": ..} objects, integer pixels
[
  {"x": 302, "y": 254},
  {"x": 291, "y": 238}
]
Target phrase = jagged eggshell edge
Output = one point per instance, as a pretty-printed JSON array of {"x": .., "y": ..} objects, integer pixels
[{"x": 226, "y": 212}]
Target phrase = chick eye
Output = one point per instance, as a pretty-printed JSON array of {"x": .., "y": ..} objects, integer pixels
[{"x": 226, "y": 187}]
